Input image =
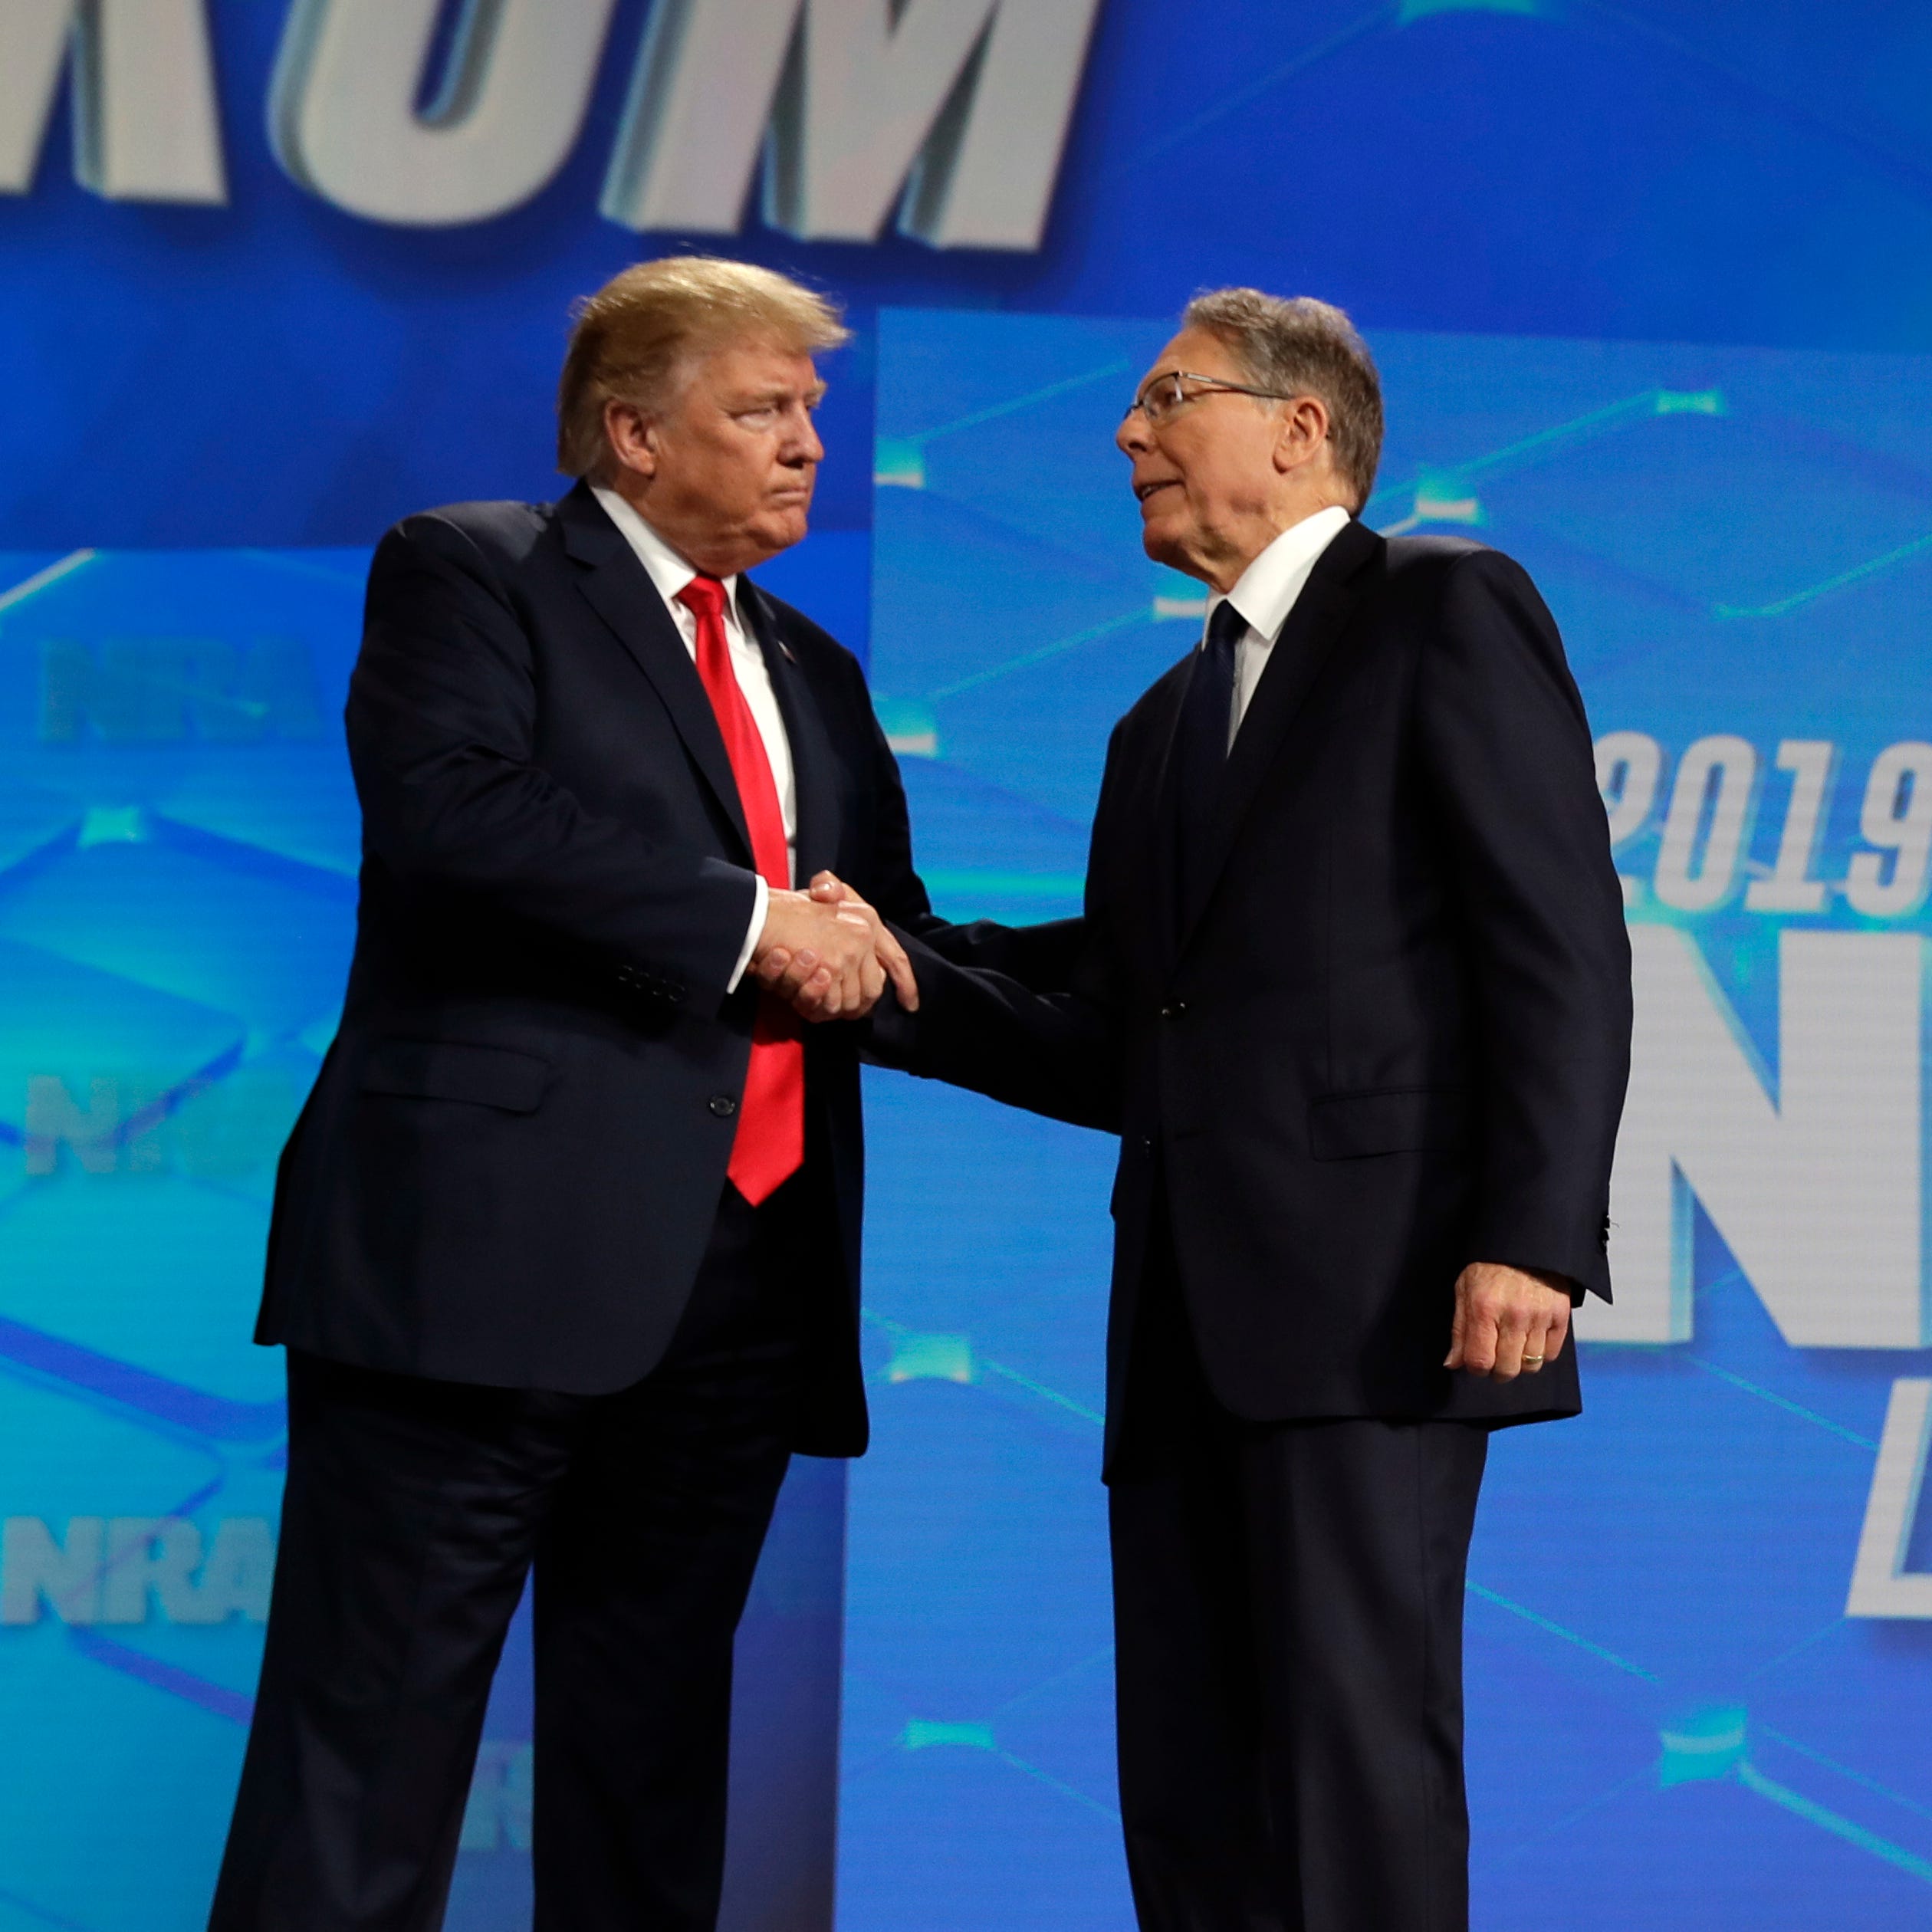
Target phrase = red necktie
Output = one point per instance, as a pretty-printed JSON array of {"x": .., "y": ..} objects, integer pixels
[{"x": 769, "y": 1144}]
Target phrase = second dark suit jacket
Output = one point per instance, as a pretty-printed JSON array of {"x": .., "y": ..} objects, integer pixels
[
  {"x": 1390, "y": 1036},
  {"x": 510, "y": 1166}
]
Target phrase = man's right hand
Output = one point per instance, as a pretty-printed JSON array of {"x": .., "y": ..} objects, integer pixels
[{"x": 829, "y": 957}]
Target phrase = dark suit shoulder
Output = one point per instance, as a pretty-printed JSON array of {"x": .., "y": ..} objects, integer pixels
[
  {"x": 1421, "y": 564},
  {"x": 503, "y": 532},
  {"x": 1153, "y": 710},
  {"x": 1417, "y": 559}
]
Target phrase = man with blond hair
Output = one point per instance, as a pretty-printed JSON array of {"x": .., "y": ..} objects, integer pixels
[{"x": 565, "y": 1251}]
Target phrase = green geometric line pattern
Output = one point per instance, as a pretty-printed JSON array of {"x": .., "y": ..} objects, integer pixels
[
  {"x": 1845, "y": 1771},
  {"x": 1139, "y": 615},
  {"x": 1800, "y": 1806},
  {"x": 1857, "y": 574},
  {"x": 1557, "y": 1629},
  {"x": 1779, "y": 1401},
  {"x": 41, "y": 580}
]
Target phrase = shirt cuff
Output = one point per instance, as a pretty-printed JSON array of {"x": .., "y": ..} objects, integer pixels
[{"x": 761, "y": 899}]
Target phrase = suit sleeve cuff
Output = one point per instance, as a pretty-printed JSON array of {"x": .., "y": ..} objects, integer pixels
[
  {"x": 761, "y": 900},
  {"x": 1584, "y": 1272}
]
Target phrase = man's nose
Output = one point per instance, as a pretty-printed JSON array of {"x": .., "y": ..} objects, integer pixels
[
  {"x": 1131, "y": 439},
  {"x": 802, "y": 444}
]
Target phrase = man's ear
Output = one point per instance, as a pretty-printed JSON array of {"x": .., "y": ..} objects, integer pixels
[
  {"x": 1304, "y": 430},
  {"x": 632, "y": 437}
]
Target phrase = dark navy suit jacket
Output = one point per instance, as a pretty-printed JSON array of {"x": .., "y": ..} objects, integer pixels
[
  {"x": 1391, "y": 1035},
  {"x": 509, "y": 1167}
]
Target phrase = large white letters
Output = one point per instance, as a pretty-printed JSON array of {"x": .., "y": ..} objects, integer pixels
[
  {"x": 1696, "y": 866},
  {"x": 1898, "y": 818},
  {"x": 147, "y": 124},
  {"x": 962, "y": 104},
  {"x": 1881, "y": 1586},
  {"x": 342, "y": 112},
  {"x": 1790, "y": 888},
  {"x": 1817, "y": 1192},
  {"x": 953, "y": 112},
  {"x": 701, "y": 94}
]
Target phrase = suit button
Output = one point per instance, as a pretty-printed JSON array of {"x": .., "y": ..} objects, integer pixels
[
  {"x": 1174, "y": 1009},
  {"x": 723, "y": 1106}
]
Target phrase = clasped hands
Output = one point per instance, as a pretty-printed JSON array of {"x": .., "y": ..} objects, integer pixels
[{"x": 828, "y": 954}]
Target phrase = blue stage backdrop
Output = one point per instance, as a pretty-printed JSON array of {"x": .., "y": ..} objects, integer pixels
[{"x": 271, "y": 275}]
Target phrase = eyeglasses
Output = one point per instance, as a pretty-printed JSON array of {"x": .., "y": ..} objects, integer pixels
[{"x": 1161, "y": 396}]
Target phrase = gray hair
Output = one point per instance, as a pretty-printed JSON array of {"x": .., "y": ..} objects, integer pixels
[{"x": 1303, "y": 347}]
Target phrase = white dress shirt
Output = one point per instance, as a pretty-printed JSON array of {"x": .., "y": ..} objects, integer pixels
[
  {"x": 1266, "y": 593},
  {"x": 671, "y": 572}
]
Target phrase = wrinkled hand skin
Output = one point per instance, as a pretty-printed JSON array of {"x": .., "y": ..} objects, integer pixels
[
  {"x": 1504, "y": 1314},
  {"x": 828, "y": 954}
]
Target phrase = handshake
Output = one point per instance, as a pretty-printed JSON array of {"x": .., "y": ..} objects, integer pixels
[{"x": 828, "y": 955}]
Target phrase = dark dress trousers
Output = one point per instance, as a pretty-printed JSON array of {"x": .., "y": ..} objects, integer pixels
[
  {"x": 1381, "y": 1032},
  {"x": 527, "y": 1319}
]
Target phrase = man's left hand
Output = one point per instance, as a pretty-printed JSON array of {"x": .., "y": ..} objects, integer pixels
[
  {"x": 1509, "y": 1322},
  {"x": 803, "y": 985}
]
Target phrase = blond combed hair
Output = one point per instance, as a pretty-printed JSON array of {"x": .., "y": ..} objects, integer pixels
[{"x": 633, "y": 340}]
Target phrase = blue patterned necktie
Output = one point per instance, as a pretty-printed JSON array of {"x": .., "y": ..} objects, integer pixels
[{"x": 1200, "y": 754}]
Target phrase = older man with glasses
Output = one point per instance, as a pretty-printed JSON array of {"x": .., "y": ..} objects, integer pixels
[{"x": 1352, "y": 983}]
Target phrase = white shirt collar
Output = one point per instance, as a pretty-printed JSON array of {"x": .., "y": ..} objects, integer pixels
[
  {"x": 670, "y": 571},
  {"x": 1266, "y": 591}
]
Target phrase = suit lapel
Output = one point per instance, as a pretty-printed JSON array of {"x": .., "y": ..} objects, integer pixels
[
  {"x": 1163, "y": 820},
  {"x": 1301, "y": 649},
  {"x": 815, "y": 788},
  {"x": 619, "y": 589}
]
